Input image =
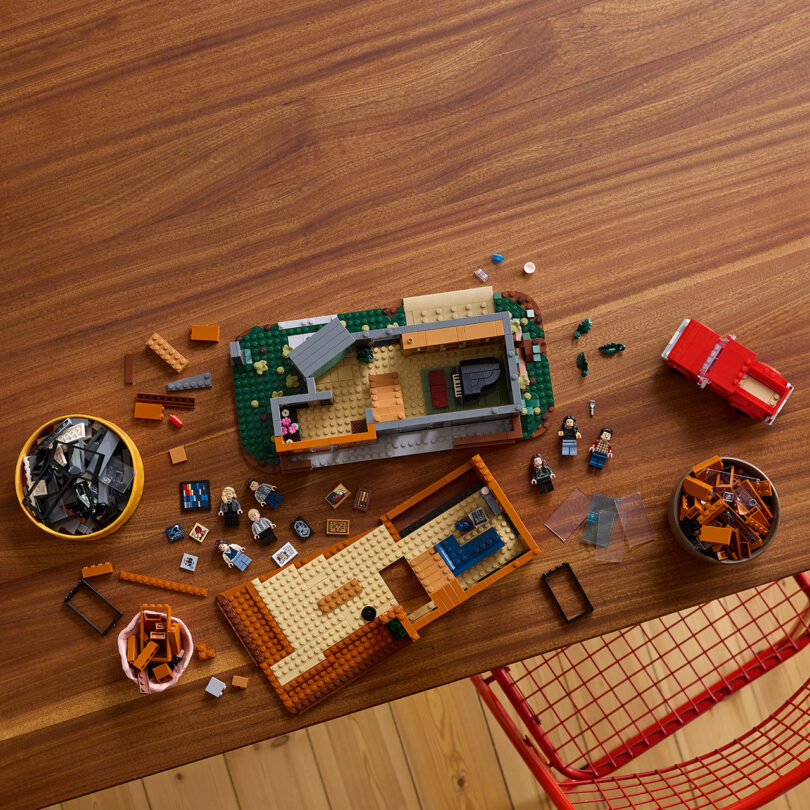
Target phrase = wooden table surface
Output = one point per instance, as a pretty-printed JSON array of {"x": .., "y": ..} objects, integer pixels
[{"x": 247, "y": 162}]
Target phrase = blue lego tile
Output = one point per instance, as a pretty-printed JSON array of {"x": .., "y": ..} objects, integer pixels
[
  {"x": 175, "y": 532},
  {"x": 461, "y": 558}
]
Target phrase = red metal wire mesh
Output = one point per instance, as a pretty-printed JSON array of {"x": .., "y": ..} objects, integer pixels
[{"x": 594, "y": 706}]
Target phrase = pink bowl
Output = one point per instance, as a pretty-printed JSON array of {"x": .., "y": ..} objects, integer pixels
[{"x": 188, "y": 650}]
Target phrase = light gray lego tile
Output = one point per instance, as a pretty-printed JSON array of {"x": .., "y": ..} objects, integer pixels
[
  {"x": 311, "y": 389},
  {"x": 294, "y": 341},
  {"x": 275, "y": 416},
  {"x": 395, "y": 331},
  {"x": 499, "y": 425},
  {"x": 189, "y": 383},
  {"x": 317, "y": 321},
  {"x": 388, "y": 427},
  {"x": 369, "y": 416}
]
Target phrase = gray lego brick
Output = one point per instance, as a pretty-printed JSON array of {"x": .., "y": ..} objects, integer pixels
[
  {"x": 189, "y": 383},
  {"x": 395, "y": 331},
  {"x": 491, "y": 501},
  {"x": 316, "y": 321},
  {"x": 321, "y": 348},
  {"x": 369, "y": 416},
  {"x": 236, "y": 353}
]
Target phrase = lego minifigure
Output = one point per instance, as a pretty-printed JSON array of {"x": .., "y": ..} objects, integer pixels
[
  {"x": 262, "y": 527},
  {"x": 570, "y": 433},
  {"x": 601, "y": 450},
  {"x": 541, "y": 474},
  {"x": 265, "y": 494},
  {"x": 233, "y": 554},
  {"x": 230, "y": 508}
]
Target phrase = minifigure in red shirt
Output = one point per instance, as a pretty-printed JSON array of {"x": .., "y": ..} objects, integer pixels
[{"x": 601, "y": 450}]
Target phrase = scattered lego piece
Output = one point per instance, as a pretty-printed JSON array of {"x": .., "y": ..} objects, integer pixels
[
  {"x": 81, "y": 584},
  {"x": 582, "y": 364},
  {"x": 174, "y": 532},
  {"x": 612, "y": 348},
  {"x": 173, "y": 400},
  {"x": 591, "y": 406},
  {"x": 239, "y": 682},
  {"x": 569, "y": 514},
  {"x": 145, "y": 655},
  {"x": 716, "y": 534},
  {"x": 340, "y": 596},
  {"x": 215, "y": 687},
  {"x": 609, "y": 537},
  {"x": 728, "y": 368},
  {"x": 635, "y": 523},
  {"x": 177, "y": 455},
  {"x": 265, "y": 494},
  {"x": 583, "y": 328},
  {"x": 337, "y": 527},
  {"x": 198, "y": 532},
  {"x": 97, "y": 570},
  {"x": 284, "y": 554},
  {"x": 132, "y": 650},
  {"x": 569, "y": 433},
  {"x": 714, "y": 461},
  {"x": 189, "y": 562},
  {"x": 541, "y": 474},
  {"x": 261, "y": 527},
  {"x": 481, "y": 275},
  {"x": 368, "y": 613},
  {"x": 497, "y": 258},
  {"x": 204, "y": 332},
  {"x": 129, "y": 369},
  {"x": 195, "y": 496},
  {"x": 529, "y": 268},
  {"x": 162, "y": 673},
  {"x": 233, "y": 554},
  {"x": 190, "y": 383},
  {"x": 697, "y": 488},
  {"x": 166, "y": 352},
  {"x": 599, "y": 503},
  {"x": 576, "y": 593},
  {"x": 146, "y": 410},
  {"x": 361, "y": 499},
  {"x": 478, "y": 517},
  {"x": 204, "y": 652},
  {"x": 301, "y": 528},
  {"x": 166, "y": 584},
  {"x": 336, "y": 497},
  {"x": 175, "y": 420},
  {"x": 601, "y": 450},
  {"x": 229, "y": 507}
]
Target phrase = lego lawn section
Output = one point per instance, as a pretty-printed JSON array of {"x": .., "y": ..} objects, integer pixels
[{"x": 265, "y": 367}]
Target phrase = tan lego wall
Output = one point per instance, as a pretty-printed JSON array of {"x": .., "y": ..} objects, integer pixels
[{"x": 447, "y": 306}]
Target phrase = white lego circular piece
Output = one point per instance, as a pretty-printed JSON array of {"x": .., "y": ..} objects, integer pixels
[{"x": 529, "y": 268}]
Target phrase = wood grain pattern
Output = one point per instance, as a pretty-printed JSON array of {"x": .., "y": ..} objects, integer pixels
[{"x": 244, "y": 163}]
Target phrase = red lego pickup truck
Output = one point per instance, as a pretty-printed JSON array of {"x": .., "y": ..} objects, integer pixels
[{"x": 726, "y": 367}]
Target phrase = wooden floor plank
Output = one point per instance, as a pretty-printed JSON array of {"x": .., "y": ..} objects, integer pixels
[
  {"x": 129, "y": 796},
  {"x": 362, "y": 762},
  {"x": 277, "y": 774},
  {"x": 447, "y": 742},
  {"x": 202, "y": 784}
]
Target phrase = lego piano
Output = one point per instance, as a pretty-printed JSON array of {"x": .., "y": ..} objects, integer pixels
[{"x": 321, "y": 622}]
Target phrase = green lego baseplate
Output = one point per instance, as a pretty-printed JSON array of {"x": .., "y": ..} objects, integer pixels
[{"x": 254, "y": 388}]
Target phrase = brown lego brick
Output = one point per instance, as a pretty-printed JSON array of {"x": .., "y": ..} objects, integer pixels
[
  {"x": 166, "y": 584},
  {"x": 129, "y": 369},
  {"x": 698, "y": 489},
  {"x": 715, "y": 462},
  {"x": 200, "y": 331},
  {"x": 166, "y": 352},
  {"x": 146, "y": 410},
  {"x": 340, "y": 595},
  {"x": 361, "y": 499},
  {"x": 337, "y": 527},
  {"x": 716, "y": 534},
  {"x": 239, "y": 682},
  {"x": 177, "y": 455},
  {"x": 145, "y": 655},
  {"x": 162, "y": 673},
  {"x": 132, "y": 649},
  {"x": 97, "y": 570},
  {"x": 176, "y": 401}
]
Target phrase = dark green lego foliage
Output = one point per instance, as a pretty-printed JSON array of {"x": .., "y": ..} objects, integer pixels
[
  {"x": 612, "y": 348},
  {"x": 583, "y": 328},
  {"x": 582, "y": 364}
]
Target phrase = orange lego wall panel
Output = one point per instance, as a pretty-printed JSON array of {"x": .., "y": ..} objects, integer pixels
[{"x": 200, "y": 331}]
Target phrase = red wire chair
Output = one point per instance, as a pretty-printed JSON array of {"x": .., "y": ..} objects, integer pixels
[{"x": 594, "y": 706}]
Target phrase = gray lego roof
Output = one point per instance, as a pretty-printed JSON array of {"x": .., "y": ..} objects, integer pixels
[{"x": 323, "y": 346}]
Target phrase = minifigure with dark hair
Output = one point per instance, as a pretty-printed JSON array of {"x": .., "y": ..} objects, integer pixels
[
  {"x": 601, "y": 450},
  {"x": 541, "y": 474},
  {"x": 265, "y": 494},
  {"x": 570, "y": 433}
]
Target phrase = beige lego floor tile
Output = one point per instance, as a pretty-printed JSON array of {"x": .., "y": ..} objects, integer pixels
[{"x": 447, "y": 306}]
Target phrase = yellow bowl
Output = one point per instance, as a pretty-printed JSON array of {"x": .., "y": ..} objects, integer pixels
[{"x": 137, "y": 481}]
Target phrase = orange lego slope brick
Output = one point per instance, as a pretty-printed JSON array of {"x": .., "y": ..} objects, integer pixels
[{"x": 300, "y": 685}]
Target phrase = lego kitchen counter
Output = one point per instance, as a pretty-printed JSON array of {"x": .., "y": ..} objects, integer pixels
[{"x": 651, "y": 168}]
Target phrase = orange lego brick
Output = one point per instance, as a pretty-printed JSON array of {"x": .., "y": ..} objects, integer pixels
[
  {"x": 148, "y": 410},
  {"x": 162, "y": 673},
  {"x": 340, "y": 595},
  {"x": 177, "y": 455},
  {"x": 200, "y": 331},
  {"x": 239, "y": 682},
  {"x": 145, "y": 655},
  {"x": 167, "y": 584},
  {"x": 715, "y": 462},
  {"x": 166, "y": 352},
  {"x": 696, "y": 488},
  {"x": 97, "y": 570},
  {"x": 716, "y": 534},
  {"x": 132, "y": 649}
]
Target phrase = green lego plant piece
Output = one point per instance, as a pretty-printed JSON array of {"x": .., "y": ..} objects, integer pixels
[
  {"x": 583, "y": 329},
  {"x": 612, "y": 348},
  {"x": 582, "y": 364}
]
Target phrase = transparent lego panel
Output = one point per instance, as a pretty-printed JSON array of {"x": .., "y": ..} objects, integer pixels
[{"x": 569, "y": 514}]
